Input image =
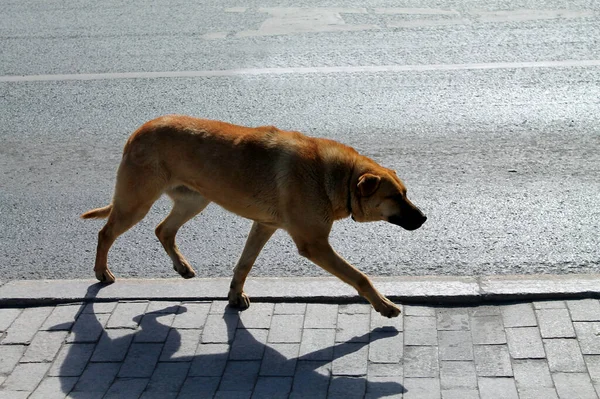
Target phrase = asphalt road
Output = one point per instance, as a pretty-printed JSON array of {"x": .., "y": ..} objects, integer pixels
[{"x": 491, "y": 115}]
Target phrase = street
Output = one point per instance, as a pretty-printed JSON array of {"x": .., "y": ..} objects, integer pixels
[{"x": 490, "y": 115}]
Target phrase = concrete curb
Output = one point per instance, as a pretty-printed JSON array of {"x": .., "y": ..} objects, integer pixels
[{"x": 423, "y": 289}]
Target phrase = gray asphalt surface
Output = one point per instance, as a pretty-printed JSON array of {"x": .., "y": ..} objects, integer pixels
[{"x": 504, "y": 161}]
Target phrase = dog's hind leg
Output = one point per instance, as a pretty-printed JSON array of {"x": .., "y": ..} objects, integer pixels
[
  {"x": 186, "y": 204},
  {"x": 257, "y": 238},
  {"x": 135, "y": 192}
]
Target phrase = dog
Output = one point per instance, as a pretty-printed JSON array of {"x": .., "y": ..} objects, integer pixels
[{"x": 279, "y": 179}]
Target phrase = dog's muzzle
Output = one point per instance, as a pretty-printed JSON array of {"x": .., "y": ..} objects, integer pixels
[{"x": 409, "y": 223}]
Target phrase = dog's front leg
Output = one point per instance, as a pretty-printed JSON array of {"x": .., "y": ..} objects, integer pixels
[
  {"x": 257, "y": 238},
  {"x": 321, "y": 253}
]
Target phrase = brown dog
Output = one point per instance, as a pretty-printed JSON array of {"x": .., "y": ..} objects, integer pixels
[{"x": 279, "y": 179}]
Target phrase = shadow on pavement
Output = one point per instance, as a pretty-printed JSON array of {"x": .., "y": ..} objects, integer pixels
[{"x": 106, "y": 363}]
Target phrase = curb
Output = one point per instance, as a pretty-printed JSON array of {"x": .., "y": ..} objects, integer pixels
[{"x": 431, "y": 290}]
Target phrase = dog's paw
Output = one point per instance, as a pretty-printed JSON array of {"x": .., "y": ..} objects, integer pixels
[
  {"x": 185, "y": 270},
  {"x": 105, "y": 276},
  {"x": 239, "y": 300},
  {"x": 388, "y": 309}
]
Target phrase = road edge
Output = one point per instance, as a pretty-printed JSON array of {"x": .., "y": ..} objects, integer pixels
[{"x": 431, "y": 290}]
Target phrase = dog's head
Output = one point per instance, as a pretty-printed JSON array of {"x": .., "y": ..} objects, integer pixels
[{"x": 381, "y": 195}]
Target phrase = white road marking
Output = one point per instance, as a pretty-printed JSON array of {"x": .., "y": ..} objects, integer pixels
[{"x": 303, "y": 70}]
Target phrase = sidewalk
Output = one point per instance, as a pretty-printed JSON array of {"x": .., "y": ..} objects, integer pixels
[{"x": 78, "y": 339}]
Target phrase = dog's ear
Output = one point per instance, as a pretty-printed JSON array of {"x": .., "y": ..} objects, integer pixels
[{"x": 368, "y": 184}]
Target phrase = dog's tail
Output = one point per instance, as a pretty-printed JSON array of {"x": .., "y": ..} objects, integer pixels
[{"x": 98, "y": 213}]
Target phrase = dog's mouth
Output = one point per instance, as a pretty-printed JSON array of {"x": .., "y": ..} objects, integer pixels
[{"x": 408, "y": 223}]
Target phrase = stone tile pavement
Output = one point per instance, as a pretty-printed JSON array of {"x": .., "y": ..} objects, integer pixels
[{"x": 158, "y": 349}]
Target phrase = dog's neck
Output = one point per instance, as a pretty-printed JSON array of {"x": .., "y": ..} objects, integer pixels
[{"x": 349, "y": 201}]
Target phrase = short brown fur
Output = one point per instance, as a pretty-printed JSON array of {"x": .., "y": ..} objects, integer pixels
[{"x": 279, "y": 179}]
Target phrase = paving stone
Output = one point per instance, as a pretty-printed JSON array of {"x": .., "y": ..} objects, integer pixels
[
  {"x": 347, "y": 388},
  {"x": 286, "y": 328},
  {"x": 210, "y": 360},
  {"x": 421, "y": 361},
  {"x": 353, "y": 327},
  {"x": 167, "y": 307},
  {"x": 413, "y": 310},
  {"x": 13, "y": 394},
  {"x": 88, "y": 328},
  {"x": 220, "y": 328},
  {"x": 538, "y": 393},
  {"x": 458, "y": 375},
  {"x": 25, "y": 326},
  {"x": 420, "y": 330},
  {"x": 422, "y": 388},
  {"x": 531, "y": 374},
  {"x": 385, "y": 370},
  {"x": 191, "y": 315},
  {"x": 25, "y": 377},
  {"x": 482, "y": 311},
  {"x": 233, "y": 395},
  {"x": 222, "y": 307},
  {"x": 53, "y": 388},
  {"x": 280, "y": 360},
  {"x": 181, "y": 345},
  {"x": 453, "y": 319},
  {"x": 71, "y": 360},
  {"x": 154, "y": 327},
  {"x": 378, "y": 322},
  {"x": 124, "y": 388},
  {"x": 290, "y": 308},
  {"x": 497, "y": 388},
  {"x": 158, "y": 395},
  {"x": 385, "y": 386},
  {"x": 97, "y": 377},
  {"x": 9, "y": 357},
  {"x": 354, "y": 308},
  {"x": 487, "y": 330},
  {"x": 350, "y": 359},
  {"x": 455, "y": 345},
  {"x": 555, "y": 323},
  {"x": 584, "y": 309},
  {"x": 320, "y": 315},
  {"x": 460, "y": 393},
  {"x": 574, "y": 385},
  {"x": 492, "y": 361},
  {"x": 44, "y": 346},
  {"x": 564, "y": 355},
  {"x": 140, "y": 361},
  {"x": 7, "y": 317},
  {"x": 525, "y": 343},
  {"x": 127, "y": 315},
  {"x": 317, "y": 344},
  {"x": 198, "y": 386},
  {"x": 593, "y": 365},
  {"x": 168, "y": 377},
  {"x": 100, "y": 307},
  {"x": 272, "y": 388},
  {"x": 588, "y": 335},
  {"x": 85, "y": 395},
  {"x": 248, "y": 344},
  {"x": 549, "y": 305},
  {"x": 113, "y": 345},
  {"x": 240, "y": 376},
  {"x": 257, "y": 316},
  {"x": 311, "y": 377},
  {"x": 386, "y": 347},
  {"x": 518, "y": 315},
  {"x": 62, "y": 317}
]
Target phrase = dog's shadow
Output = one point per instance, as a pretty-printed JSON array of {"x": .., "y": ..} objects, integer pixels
[{"x": 86, "y": 372}]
